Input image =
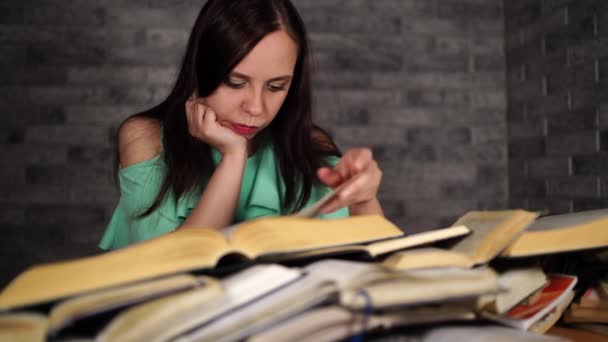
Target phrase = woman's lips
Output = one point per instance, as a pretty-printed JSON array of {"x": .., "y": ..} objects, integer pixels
[{"x": 242, "y": 129}]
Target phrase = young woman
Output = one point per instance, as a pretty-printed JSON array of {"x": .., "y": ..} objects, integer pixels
[{"x": 234, "y": 140}]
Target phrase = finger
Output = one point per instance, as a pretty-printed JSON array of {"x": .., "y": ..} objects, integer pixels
[
  {"x": 332, "y": 206},
  {"x": 329, "y": 176},
  {"x": 361, "y": 159}
]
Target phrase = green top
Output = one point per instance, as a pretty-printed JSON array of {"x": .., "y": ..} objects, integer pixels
[{"x": 262, "y": 194}]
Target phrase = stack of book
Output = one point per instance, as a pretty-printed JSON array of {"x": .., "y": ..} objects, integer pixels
[{"x": 304, "y": 279}]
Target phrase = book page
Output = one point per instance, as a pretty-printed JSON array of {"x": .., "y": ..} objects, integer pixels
[
  {"x": 182, "y": 250},
  {"x": 98, "y": 302},
  {"x": 492, "y": 232},
  {"x": 562, "y": 233},
  {"x": 291, "y": 234}
]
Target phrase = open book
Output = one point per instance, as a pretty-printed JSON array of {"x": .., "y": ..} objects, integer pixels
[
  {"x": 491, "y": 232},
  {"x": 187, "y": 250},
  {"x": 562, "y": 233}
]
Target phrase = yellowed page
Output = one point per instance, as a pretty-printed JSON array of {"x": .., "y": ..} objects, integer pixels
[
  {"x": 591, "y": 234},
  {"x": 182, "y": 250},
  {"x": 423, "y": 238},
  {"x": 492, "y": 232},
  {"x": 292, "y": 234},
  {"x": 426, "y": 258},
  {"x": 23, "y": 327},
  {"x": 65, "y": 312}
]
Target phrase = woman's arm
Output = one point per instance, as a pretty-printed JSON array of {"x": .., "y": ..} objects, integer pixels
[{"x": 217, "y": 204}]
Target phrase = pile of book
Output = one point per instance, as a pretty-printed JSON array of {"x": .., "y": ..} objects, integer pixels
[{"x": 493, "y": 274}]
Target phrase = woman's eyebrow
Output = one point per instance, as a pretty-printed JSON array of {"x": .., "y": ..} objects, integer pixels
[{"x": 274, "y": 79}]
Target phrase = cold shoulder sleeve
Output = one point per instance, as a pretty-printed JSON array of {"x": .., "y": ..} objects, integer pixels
[{"x": 139, "y": 186}]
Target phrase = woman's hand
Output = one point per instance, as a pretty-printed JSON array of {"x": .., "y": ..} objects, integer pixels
[
  {"x": 203, "y": 125},
  {"x": 361, "y": 171}
]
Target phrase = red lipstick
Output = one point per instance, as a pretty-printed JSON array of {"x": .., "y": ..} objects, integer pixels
[{"x": 242, "y": 129}]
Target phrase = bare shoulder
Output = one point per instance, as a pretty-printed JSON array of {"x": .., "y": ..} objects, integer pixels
[{"x": 138, "y": 140}]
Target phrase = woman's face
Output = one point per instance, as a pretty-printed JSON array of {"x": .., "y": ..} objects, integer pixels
[{"x": 252, "y": 94}]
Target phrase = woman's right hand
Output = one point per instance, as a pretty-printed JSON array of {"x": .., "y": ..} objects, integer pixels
[{"x": 203, "y": 125}]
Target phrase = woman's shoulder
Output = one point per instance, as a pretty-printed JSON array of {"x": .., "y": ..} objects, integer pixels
[{"x": 139, "y": 139}]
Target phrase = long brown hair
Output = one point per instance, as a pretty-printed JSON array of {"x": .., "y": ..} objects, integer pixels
[{"x": 223, "y": 34}]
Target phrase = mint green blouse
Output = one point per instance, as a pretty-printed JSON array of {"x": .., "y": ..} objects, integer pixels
[{"x": 262, "y": 194}]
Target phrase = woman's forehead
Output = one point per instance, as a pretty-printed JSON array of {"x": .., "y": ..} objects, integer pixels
[{"x": 274, "y": 56}]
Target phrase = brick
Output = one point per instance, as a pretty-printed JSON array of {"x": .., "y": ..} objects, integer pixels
[
  {"x": 64, "y": 53},
  {"x": 166, "y": 38},
  {"x": 419, "y": 153},
  {"x": 489, "y": 62},
  {"x": 49, "y": 175},
  {"x": 528, "y": 148},
  {"x": 161, "y": 17},
  {"x": 371, "y": 136},
  {"x": 589, "y": 204},
  {"x": 526, "y": 130},
  {"x": 10, "y": 215},
  {"x": 41, "y": 14},
  {"x": 573, "y": 77},
  {"x": 441, "y": 63},
  {"x": 580, "y": 143},
  {"x": 12, "y": 175},
  {"x": 323, "y": 21},
  {"x": 490, "y": 152},
  {"x": 590, "y": 164},
  {"x": 11, "y": 14},
  {"x": 437, "y": 97},
  {"x": 67, "y": 134},
  {"x": 529, "y": 188},
  {"x": 12, "y": 54},
  {"x": 107, "y": 75},
  {"x": 548, "y": 167},
  {"x": 92, "y": 155},
  {"x": 11, "y": 136},
  {"x": 571, "y": 122},
  {"x": 32, "y": 75},
  {"x": 26, "y": 154},
  {"x": 19, "y": 116},
  {"x": 406, "y": 117},
  {"x": 517, "y": 170},
  {"x": 29, "y": 34},
  {"x": 342, "y": 79},
  {"x": 550, "y": 206},
  {"x": 483, "y": 134},
  {"x": 547, "y": 105},
  {"x": 64, "y": 215},
  {"x": 602, "y": 113},
  {"x": 573, "y": 187},
  {"x": 373, "y": 60},
  {"x": 103, "y": 115},
  {"x": 370, "y": 98}
]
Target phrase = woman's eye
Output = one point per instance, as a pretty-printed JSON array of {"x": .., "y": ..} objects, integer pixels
[
  {"x": 234, "y": 84},
  {"x": 276, "y": 87}
]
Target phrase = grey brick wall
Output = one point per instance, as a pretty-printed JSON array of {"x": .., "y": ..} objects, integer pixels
[
  {"x": 420, "y": 81},
  {"x": 556, "y": 81}
]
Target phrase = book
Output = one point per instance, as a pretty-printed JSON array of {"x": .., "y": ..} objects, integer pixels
[
  {"x": 549, "y": 320},
  {"x": 23, "y": 326},
  {"x": 492, "y": 231},
  {"x": 375, "y": 249},
  {"x": 524, "y": 315},
  {"x": 419, "y": 287},
  {"x": 518, "y": 284},
  {"x": 335, "y": 323},
  {"x": 70, "y": 311},
  {"x": 187, "y": 250},
  {"x": 169, "y": 317},
  {"x": 562, "y": 233}
]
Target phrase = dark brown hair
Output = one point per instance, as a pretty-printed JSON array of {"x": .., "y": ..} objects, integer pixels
[{"x": 224, "y": 33}]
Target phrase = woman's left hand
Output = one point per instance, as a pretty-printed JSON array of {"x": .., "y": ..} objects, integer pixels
[{"x": 358, "y": 168}]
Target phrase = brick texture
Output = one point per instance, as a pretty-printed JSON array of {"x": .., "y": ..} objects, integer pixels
[
  {"x": 557, "y": 62},
  {"x": 422, "y": 82}
]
